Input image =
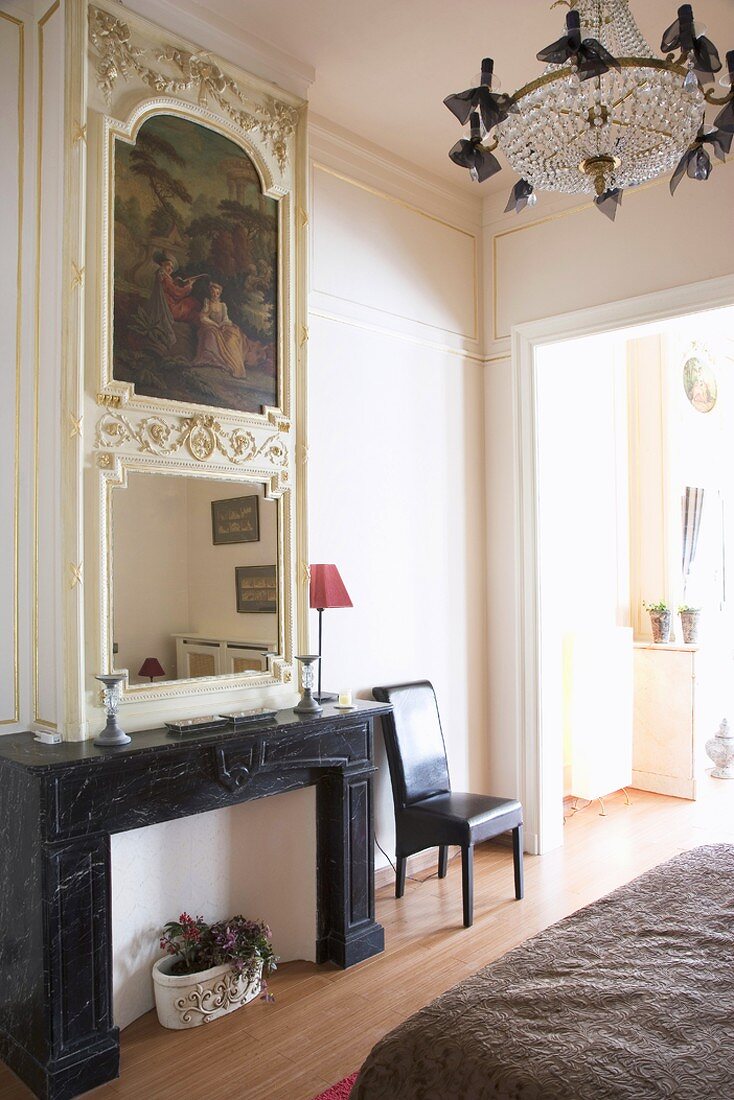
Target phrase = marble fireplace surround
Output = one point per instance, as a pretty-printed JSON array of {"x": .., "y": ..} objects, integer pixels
[{"x": 60, "y": 805}]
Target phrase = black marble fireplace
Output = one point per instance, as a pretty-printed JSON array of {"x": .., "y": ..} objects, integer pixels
[{"x": 58, "y": 807}]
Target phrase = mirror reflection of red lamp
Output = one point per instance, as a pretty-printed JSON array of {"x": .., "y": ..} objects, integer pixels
[
  {"x": 151, "y": 667},
  {"x": 327, "y": 590}
]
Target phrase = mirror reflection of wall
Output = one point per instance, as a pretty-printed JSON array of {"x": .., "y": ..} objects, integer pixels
[{"x": 194, "y": 577}]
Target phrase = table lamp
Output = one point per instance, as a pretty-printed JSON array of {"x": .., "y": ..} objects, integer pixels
[
  {"x": 151, "y": 667},
  {"x": 327, "y": 590}
]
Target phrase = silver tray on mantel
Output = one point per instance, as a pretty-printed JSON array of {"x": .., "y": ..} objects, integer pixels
[
  {"x": 206, "y": 724},
  {"x": 241, "y": 719}
]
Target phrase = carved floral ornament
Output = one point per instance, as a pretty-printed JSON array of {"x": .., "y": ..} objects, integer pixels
[
  {"x": 202, "y": 435},
  {"x": 119, "y": 57}
]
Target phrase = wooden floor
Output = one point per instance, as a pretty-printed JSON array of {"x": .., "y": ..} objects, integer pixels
[{"x": 325, "y": 1020}]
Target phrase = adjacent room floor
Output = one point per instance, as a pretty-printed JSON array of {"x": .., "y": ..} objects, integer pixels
[{"x": 325, "y": 1021}]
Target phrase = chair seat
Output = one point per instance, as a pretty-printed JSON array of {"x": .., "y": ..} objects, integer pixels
[{"x": 459, "y": 818}]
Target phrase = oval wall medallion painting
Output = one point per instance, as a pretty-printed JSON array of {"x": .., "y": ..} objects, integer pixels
[
  {"x": 699, "y": 381},
  {"x": 196, "y": 269}
]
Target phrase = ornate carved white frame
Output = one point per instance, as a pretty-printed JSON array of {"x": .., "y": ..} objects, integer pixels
[{"x": 125, "y": 431}]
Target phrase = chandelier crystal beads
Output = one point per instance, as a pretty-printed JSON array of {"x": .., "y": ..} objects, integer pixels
[{"x": 606, "y": 113}]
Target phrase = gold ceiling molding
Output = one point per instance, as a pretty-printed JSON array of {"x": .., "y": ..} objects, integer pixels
[
  {"x": 544, "y": 221},
  {"x": 18, "y": 24},
  {"x": 119, "y": 57},
  {"x": 201, "y": 435}
]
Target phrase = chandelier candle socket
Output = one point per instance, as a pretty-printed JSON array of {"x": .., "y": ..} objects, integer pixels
[{"x": 606, "y": 114}]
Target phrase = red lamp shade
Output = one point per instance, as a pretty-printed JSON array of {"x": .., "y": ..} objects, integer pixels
[
  {"x": 327, "y": 587},
  {"x": 151, "y": 667}
]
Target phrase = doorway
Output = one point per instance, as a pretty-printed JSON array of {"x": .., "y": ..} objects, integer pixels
[{"x": 579, "y": 403}]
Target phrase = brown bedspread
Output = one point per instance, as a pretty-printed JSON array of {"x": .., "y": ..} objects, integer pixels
[{"x": 630, "y": 998}]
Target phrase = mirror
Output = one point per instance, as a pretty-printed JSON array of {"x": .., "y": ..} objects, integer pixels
[{"x": 195, "y": 578}]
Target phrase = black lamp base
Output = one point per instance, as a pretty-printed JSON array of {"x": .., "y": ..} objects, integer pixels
[{"x": 325, "y": 697}]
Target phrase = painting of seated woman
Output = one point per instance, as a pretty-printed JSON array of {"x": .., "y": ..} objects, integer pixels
[{"x": 196, "y": 268}]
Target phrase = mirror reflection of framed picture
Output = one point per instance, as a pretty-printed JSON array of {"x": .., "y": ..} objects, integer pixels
[
  {"x": 236, "y": 520},
  {"x": 257, "y": 589}
]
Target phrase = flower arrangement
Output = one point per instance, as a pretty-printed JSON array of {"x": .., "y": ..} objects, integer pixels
[{"x": 242, "y": 944}]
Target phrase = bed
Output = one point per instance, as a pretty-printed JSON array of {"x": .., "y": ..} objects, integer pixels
[{"x": 631, "y": 997}]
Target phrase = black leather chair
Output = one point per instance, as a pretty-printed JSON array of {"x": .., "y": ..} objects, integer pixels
[{"x": 427, "y": 812}]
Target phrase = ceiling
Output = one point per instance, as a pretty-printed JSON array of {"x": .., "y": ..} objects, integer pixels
[{"x": 383, "y": 67}]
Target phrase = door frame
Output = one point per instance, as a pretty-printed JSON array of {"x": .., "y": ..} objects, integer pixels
[{"x": 536, "y": 753}]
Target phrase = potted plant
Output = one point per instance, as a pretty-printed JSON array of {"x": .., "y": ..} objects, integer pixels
[
  {"x": 689, "y": 621},
  {"x": 210, "y": 970},
  {"x": 660, "y": 622}
]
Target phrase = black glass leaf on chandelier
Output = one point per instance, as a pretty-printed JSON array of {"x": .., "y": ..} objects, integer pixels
[
  {"x": 725, "y": 118},
  {"x": 610, "y": 201},
  {"x": 696, "y": 162},
  {"x": 492, "y": 106},
  {"x": 469, "y": 153},
  {"x": 522, "y": 195},
  {"x": 588, "y": 54},
  {"x": 682, "y": 35}
]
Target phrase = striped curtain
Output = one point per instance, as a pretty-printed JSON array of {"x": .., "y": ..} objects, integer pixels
[{"x": 692, "y": 512}]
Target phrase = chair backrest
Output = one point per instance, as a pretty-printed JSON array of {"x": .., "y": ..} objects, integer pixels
[{"x": 416, "y": 752}]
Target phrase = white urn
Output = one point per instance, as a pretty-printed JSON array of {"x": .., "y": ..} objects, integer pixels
[
  {"x": 720, "y": 749},
  {"x": 189, "y": 1000}
]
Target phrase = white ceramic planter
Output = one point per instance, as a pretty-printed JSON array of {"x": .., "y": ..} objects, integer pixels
[{"x": 188, "y": 1000}]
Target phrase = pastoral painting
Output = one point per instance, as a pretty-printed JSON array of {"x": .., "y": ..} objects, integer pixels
[{"x": 196, "y": 269}]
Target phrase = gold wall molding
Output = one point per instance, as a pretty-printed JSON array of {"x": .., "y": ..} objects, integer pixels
[
  {"x": 35, "y": 614},
  {"x": 394, "y": 334},
  {"x": 318, "y": 166},
  {"x": 119, "y": 57},
  {"x": 15, "y": 641}
]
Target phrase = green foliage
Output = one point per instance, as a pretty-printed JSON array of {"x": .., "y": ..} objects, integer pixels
[
  {"x": 145, "y": 162},
  {"x": 685, "y": 609},
  {"x": 660, "y": 607},
  {"x": 243, "y": 944}
]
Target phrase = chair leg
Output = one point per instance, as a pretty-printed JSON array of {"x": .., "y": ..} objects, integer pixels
[
  {"x": 400, "y": 867},
  {"x": 517, "y": 861},
  {"x": 467, "y": 883},
  {"x": 443, "y": 860}
]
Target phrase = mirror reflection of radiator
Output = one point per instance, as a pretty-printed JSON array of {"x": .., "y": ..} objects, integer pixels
[
  {"x": 598, "y": 709},
  {"x": 198, "y": 655}
]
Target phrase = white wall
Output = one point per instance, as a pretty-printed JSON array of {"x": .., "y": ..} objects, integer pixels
[
  {"x": 556, "y": 259},
  {"x": 151, "y": 570},
  {"x": 583, "y": 530},
  {"x": 396, "y": 477}
]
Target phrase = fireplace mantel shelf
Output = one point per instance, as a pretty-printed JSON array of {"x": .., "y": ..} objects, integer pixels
[{"x": 58, "y": 807}]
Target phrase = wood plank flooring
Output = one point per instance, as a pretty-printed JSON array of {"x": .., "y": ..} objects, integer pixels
[{"x": 325, "y": 1020}]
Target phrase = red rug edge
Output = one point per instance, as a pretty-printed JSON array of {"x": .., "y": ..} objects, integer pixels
[{"x": 339, "y": 1091}]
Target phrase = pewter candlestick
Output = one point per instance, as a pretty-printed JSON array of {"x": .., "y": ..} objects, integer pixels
[
  {"x": 307, "y": 704},
  {"x": 112, "y": 735}
]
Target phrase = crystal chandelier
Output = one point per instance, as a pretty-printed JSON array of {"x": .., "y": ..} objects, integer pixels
[{"x": 605, "y": 114}]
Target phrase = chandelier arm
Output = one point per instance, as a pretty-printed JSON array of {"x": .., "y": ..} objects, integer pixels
[{"x": 718, "y": 101}]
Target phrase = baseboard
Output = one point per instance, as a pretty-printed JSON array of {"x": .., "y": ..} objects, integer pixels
[
  {"x": 676, "y": 786},
  {"x": 421, "y": 861}
]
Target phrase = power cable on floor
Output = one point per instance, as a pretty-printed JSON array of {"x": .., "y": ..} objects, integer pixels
[{"x": 412, "y": 878}]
